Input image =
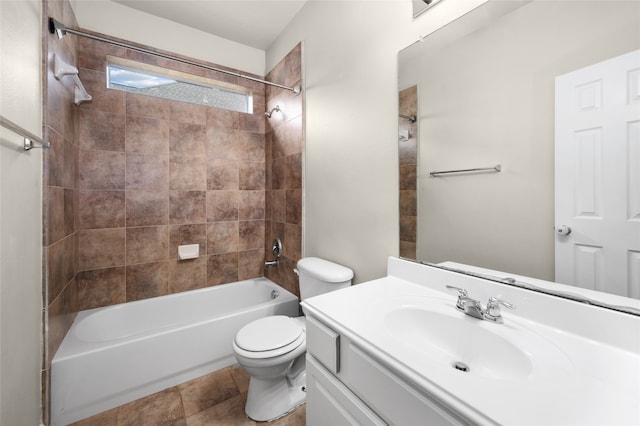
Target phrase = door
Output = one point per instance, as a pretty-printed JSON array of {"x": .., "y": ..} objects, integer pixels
[{"x": 597, "y": 176}]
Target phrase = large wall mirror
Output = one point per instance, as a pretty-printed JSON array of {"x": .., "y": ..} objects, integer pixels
[{"x": 543, "y": 97}]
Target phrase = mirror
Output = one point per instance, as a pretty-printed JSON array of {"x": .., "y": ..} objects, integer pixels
[{"x": 483, "y": 93}]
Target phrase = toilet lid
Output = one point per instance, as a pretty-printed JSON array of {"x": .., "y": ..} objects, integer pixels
[{"x": 267, "y": 334}]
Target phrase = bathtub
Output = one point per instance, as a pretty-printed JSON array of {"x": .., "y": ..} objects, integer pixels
[{"x": 119, "y": 353}]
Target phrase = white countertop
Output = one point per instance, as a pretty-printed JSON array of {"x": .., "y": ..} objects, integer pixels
[{"x": 577, "y": 379}]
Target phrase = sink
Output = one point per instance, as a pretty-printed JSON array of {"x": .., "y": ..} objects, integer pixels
[{"x": 438, "y": 332}]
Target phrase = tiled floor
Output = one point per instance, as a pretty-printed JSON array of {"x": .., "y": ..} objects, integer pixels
[{"x": 215, "y": 399}]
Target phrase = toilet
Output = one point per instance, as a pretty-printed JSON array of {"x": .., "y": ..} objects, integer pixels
[{"x": 272, "y": 349}]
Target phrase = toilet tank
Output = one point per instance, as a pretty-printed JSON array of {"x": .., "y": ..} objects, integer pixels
[{"x": 318, "y": 276}]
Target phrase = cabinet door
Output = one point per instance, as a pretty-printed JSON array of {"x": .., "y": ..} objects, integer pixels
[
  {"x": 392, "y": 398},
  {"x": 329, "y": 402}
]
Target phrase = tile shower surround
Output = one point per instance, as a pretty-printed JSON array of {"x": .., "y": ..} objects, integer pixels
[
  {"x": 129, "y": 178},
  {"x": 154, "y": 174},
  {"x": 60, "y": 194},
  {"x": 284, "y": 140}
]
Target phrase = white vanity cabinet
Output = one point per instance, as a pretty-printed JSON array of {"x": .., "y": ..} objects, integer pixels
[
  {"x": 348, "y": 386},
  {"x": 388, "y": 351}
]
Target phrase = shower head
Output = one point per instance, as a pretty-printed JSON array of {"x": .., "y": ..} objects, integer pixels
[
  {"x": 276, "y": 109},
  {"x": 411, "y": 118}
]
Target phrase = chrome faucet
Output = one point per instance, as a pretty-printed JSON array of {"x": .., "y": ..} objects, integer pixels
[
  {"x": 473, "y": 307},
  {"x": 271, "y": 263},
  {"x": 276, "y": 249},
  {"x": 467, "y": 304}
]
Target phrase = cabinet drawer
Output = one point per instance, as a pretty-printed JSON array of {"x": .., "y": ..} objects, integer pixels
[
  {"x": 324, "y": 344},
  {"x": 329, "y": 402}
]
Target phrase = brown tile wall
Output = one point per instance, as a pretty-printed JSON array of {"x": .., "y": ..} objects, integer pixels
[
  {"x": 155, "y": 174},
  {"x": 285, "y": 146},
  {"x": 60, "y": 193},
  {"x": 408, "y": 154}
]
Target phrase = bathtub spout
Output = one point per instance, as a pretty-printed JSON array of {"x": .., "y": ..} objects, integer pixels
[{"x": 271, "y": 263}]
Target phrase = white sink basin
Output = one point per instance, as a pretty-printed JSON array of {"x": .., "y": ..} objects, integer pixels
[{"x": 440, "y": 333}]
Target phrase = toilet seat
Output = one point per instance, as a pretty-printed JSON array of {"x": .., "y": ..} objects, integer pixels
[{"x": 269, "y": 337}]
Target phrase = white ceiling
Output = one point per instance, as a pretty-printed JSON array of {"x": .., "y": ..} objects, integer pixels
[{"x": 254, "y": 23}]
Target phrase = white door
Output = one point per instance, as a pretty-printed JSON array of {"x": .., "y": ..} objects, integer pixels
[{"x": 597, "y": 176}]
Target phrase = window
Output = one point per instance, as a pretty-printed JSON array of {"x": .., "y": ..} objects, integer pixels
[{"x": 143, "y": 79}]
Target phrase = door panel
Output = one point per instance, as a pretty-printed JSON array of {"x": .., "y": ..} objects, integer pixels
[{"x": 597, "y": 176}]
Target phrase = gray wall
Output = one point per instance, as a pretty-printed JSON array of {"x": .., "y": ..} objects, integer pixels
[
  {"x": 20, "y": 215},
  {"x": 351, "y": 159}
]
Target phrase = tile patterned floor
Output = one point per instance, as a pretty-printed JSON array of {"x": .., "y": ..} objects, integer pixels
[{"x": 215, "y": 399}]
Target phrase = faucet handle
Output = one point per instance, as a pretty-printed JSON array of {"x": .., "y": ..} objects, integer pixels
[
  {"x": 494, "y": 302},
  {"x": 492, "y": 313},
  {"x": 461, "y": 291},
  {"x": 462, "y": 294}
]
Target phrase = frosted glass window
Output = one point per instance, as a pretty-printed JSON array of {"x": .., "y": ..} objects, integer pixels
[{"x": 177, "y": 86}]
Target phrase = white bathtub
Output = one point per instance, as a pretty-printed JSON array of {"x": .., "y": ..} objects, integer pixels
[{"x": 117, "y": 354}]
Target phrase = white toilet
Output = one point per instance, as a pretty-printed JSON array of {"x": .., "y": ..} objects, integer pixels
[{"x": 272, "y": 349}]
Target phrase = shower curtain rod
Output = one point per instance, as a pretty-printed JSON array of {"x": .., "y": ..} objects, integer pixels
[{"x": 60, "y": 30}]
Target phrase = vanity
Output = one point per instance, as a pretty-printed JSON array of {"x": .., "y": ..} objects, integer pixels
[{"x": 397, "y": 350}]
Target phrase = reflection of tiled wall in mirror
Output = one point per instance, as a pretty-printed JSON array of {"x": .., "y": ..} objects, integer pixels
[{"x": 408, "y": 157}]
